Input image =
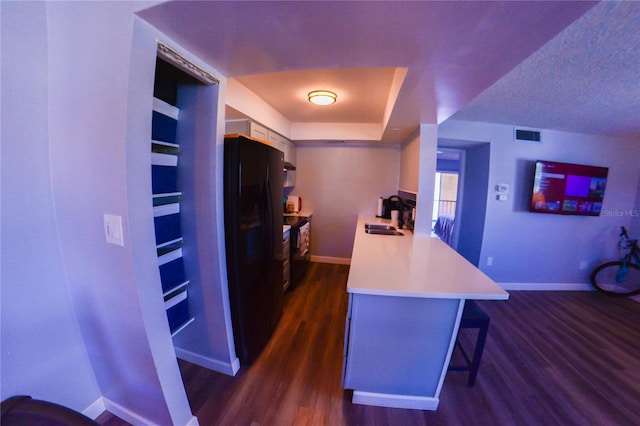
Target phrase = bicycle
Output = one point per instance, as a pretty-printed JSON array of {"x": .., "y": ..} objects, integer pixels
[{"x": 622, "y": 277}]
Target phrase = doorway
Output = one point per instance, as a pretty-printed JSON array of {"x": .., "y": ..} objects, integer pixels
[
  {"x": 467, "y": 227},
  {"x": 447, "y": 194}
]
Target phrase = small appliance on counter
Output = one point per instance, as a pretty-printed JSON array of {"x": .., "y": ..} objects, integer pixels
[
  {"x": 398, "y": 210},
  {"x": 386, "y": 205},
  {"x": 293, "y": 204}
]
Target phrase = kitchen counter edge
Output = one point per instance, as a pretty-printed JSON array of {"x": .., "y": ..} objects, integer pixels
[{"x": 407, "y": 274}]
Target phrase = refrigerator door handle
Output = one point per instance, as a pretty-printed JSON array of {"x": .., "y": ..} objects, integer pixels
[{"x": 269, "y": 227}]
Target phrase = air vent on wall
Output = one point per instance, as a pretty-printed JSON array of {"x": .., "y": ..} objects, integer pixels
[{"x": 526, "y": 135}]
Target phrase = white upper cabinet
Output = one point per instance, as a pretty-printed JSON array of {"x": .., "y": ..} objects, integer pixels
[
  {"x": 258, "y": 131},
  {"x": 249, "y": 128},
  {"x": 282, "y": 145},
  {"x": 290, "y": 152},
  {"x": 274, "y": 139}
]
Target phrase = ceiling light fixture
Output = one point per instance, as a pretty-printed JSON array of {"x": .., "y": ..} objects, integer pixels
[{"x": 322, "y": 97}]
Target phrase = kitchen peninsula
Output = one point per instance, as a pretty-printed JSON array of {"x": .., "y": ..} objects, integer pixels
[{"x": 406, "y": 296}]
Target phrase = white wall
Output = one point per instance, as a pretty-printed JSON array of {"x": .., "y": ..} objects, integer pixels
[
  {"x": 410, "y": 164},
  {"x": 338, "y": 183},
  {"x": 208, "y": 341},
  {"x": 634, "y": 229},
  {"x": 76, "y": 150},
  {"x": 43, "y": 354},
  {"x": 426, "y": 178},
  {"x": 120, "y": 311},
  {"x": 542, "y": 250},
  {"x": 244, "y": 100}
]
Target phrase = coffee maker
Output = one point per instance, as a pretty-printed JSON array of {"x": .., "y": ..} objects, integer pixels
[
  {"x": 404, "y": 208},
  {"x": 392, "y": 203}
]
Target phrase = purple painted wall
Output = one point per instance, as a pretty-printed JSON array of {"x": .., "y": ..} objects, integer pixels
[
  {"x": 43, "y": 353},
  {"x": 83, "y": 321},
  {"x": 541, "y": 250},
  {"x": 337, "y": 183}
]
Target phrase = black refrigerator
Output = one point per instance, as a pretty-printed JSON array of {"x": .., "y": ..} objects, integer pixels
[{"x": 253, "y": 186}]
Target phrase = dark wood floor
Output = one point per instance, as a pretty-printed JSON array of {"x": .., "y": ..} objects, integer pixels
[
  {"x": 551, "y": 358},
  {"x": 565, "y": 358}
]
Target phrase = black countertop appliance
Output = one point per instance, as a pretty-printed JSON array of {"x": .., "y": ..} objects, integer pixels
[
  {"x": 392, "y": 203},
  {"x": 253, "y": 186},
  {"x": 404, "y": 207}
]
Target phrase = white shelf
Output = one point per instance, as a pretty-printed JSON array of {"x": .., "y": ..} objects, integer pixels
[
  {"x": 170, "y": 303},
  {"x": 158, "y": 159},
  {"x": 171, "y": 255},
  {"x": 166, "y": 209},
  {"x": 168, "y": 257},
  {"x": 165, "y": 108},
  {"x": 166, "y": 204},
  {"x": 176, "y": 288},
  {"x": 168, "y": 194},
  {"x": 166, "y": 144},
  {"x": 182, "y": 327},
  {"x": 168, "y": 243}
]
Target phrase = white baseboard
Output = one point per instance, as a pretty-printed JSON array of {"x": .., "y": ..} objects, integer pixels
[
  {"x": 126, "y": 414},
  {"x": 193, "y": 422},
  {"x": 104, "y": 404},
  {"x": 547, "y": 286},
  {"x": 395, "y": 401},
  {"x": 95, "y": 409},
  {"x": 334, "y": 260},
  {"x": 230, "y": 369}
]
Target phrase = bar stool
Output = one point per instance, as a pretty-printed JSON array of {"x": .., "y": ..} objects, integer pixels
[{"x": 472, "y": 317}]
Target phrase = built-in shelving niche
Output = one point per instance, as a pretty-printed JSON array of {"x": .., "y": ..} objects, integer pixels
[
  {"x": 166, "y": 213},
  {"x": 174, "y": 73}
]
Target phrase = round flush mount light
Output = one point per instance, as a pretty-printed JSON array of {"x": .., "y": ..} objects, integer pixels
[{"x": 322, "y": 97}]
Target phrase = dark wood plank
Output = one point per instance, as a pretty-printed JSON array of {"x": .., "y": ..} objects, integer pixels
[{"x": 569, "y": 358}]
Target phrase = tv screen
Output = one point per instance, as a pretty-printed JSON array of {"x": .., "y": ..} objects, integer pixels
[{"x": 569, "y": 189}]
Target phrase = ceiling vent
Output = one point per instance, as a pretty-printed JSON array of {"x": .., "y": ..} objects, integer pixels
[{"x": 526, "y": 135}]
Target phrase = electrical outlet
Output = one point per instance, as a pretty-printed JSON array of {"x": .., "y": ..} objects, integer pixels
[{"x": 489, "y": 261}]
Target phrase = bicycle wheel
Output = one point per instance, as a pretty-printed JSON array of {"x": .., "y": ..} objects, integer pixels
[{"x": 603, "y": 278}]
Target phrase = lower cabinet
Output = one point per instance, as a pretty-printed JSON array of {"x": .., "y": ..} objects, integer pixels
[{"x": 398, "y": 348}]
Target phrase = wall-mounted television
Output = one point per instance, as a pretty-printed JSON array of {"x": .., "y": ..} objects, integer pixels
[{"x": 568, "y": 189}]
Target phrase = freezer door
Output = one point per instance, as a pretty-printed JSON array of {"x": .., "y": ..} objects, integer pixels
[
  {"x": 275, "y": 180},
  {"x": 248, "y": 245}
]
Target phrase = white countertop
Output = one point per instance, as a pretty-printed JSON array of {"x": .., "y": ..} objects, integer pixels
[
  {"x": 302, "y": 213},
  {"x": 412, "y": 266}
]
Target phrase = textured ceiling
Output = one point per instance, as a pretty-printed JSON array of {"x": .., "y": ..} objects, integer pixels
[
  {"x": 536, "y": 64},
  {"x": 587, "y": 79}
]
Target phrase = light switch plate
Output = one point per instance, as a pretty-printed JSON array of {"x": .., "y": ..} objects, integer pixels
[
  {"x": 502, "y": 188},
  {"x": 113, "y": 229}
]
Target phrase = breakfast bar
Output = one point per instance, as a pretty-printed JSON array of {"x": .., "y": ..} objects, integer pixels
[{"x": 406, "y": 297}]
